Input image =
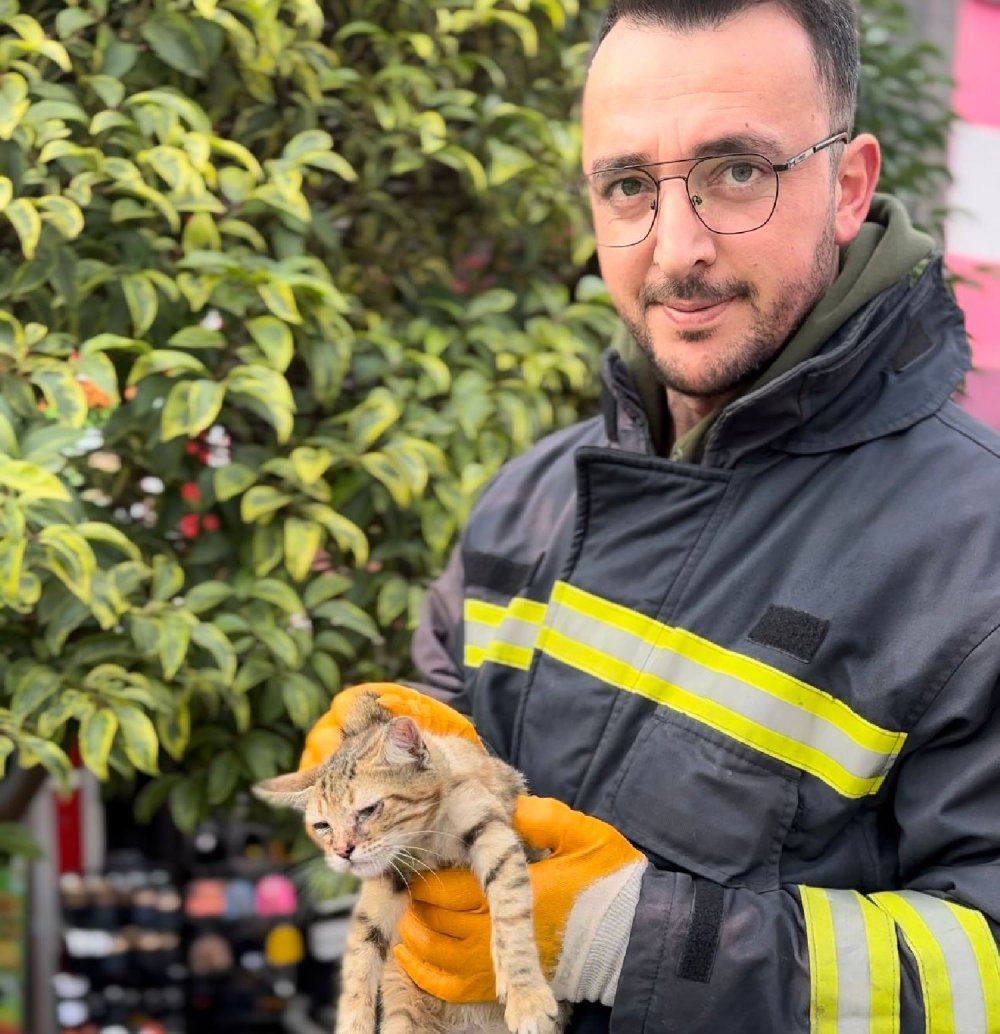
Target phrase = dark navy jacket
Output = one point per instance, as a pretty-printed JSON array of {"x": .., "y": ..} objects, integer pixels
[{"x": 775, "y": 672}]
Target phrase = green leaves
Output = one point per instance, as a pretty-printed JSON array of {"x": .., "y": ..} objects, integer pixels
[
  {"x": 175, "y": 42},
  {"x": 277, "y": 303},
  {"x": 97, "y": 733}
]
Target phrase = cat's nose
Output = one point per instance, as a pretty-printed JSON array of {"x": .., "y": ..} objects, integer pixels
[{"x": 344, "y": 850}]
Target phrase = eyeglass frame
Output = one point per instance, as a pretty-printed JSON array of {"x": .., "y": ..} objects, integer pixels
[{"x": 778, "y": 167}]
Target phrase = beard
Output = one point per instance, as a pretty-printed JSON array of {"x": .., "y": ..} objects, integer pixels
[{"x": 737, "y": 364}]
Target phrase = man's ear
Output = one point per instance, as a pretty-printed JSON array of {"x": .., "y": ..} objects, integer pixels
[
  {"x": 403, "y": 743},
  {"x": 857, "y": 177},
  {"x": 287, "y": 791}
]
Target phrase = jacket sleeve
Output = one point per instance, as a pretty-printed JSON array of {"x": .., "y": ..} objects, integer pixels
[
  {"x": 438, "y": 643},
  {"x": 917, "y": 957}
]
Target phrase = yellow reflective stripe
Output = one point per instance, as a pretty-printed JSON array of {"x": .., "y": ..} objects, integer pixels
[
  {"x": 984, "y": 947},
  {"x": 474, "y": 655},
  {"x": 527, "y": 610},
  {"x": 484, "y": 613},
  {"x": 503, "y": 635},
  {"x": 510, "y": 655},
  {"x": 823, "y": 978},
  {"x": 717, "y": 658},
  {"x": 931, "y": 963},
  {"x": 883, "y": 955},
  {"x": 746, "y": 699},
  {"x": 853, "y": 964}
]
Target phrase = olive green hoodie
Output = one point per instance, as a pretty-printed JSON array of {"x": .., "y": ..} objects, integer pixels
[{"x": 886, "y": 249}]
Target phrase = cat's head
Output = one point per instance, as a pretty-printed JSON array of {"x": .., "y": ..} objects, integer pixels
[{"x": 373, "y": 798}]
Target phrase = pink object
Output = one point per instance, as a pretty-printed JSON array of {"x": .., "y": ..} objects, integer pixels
[
  {"x": 981, "y": 304},
  {"x": 275, "y": 896},
  {"x": 977, "y": 44}
]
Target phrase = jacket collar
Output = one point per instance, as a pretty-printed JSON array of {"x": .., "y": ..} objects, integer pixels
[{"x": 896, "y": 361}]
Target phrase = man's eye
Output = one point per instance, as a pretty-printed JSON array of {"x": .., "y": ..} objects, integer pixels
[
  {"x": 623, "y": 188},
  {"x": 630, "y": 187},
  {"x": 367, "y": 813},
  {"x": 742, "y": 173},
  {"x": 321, "y": 827}
]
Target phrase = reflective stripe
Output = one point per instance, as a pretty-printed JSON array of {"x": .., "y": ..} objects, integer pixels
[
  {"x": 956, "y": 958},
  {"x": 503, "y": 635},
  {"x": 739, "y": 696},
  {"x": 853, "y": 964}
]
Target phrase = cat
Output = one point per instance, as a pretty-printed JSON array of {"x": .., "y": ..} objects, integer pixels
[{"x": 394, "y": 801}]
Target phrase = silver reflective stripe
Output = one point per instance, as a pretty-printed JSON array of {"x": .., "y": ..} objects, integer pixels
[
  {"x": 479, "y": 635},
  {"x": 754, "y": 703},
  {"x": 956, "y": 958},
  {"x": 854, "y": 967}
]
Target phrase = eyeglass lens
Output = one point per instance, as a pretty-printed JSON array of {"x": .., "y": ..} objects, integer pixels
[{"x": 734, "y": 193}]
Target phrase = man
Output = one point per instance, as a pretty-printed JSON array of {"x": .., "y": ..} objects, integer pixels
[{"x": 748, "y": 617}]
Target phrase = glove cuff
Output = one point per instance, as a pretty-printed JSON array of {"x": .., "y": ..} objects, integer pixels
[{"x": 596, "y": 936}]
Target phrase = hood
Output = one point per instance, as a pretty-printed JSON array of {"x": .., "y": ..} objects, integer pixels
[{"x": 885, "y": 251}]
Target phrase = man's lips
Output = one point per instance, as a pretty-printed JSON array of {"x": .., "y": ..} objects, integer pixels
[
  {"x": 693, "y": 306},
  {"x": 692, "y": 313}
]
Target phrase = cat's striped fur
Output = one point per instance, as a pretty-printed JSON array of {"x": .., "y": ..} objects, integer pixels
[{"x": 394, "y": 801}]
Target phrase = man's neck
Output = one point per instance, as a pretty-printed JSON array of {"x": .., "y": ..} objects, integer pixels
[{"x": 686, "y": 412}]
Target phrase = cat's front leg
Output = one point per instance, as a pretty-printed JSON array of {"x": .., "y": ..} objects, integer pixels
[
  {"x": 368, "y": 939},
  {"x": 498, "y": 861}
]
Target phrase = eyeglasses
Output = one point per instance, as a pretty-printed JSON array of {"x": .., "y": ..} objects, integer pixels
[{"x": 730, "y": 193}]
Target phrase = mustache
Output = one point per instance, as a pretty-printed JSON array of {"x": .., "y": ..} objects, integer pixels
[{"x": 693, "y": 289}]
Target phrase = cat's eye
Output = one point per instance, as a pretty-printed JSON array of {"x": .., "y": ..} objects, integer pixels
[
  {"x": 367, "y": 813},
  {"x": 321, "y": 827}
]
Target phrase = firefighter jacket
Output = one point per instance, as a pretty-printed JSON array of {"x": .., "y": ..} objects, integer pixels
[{"x": 775, "y": 672}]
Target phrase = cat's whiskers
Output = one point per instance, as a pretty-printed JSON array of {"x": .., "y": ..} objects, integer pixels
[{"x": 416, "y": 865}]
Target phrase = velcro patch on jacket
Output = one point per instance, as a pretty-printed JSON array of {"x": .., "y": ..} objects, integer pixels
[
  {"x": 501, "y": 574},
  {"x": 793, "y": 632},
  {"x": 702, "y": 942}
]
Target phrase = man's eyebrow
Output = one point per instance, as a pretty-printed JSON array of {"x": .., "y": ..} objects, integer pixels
[
  {"x": 621, "y": 161},
  {"x": 736, "y": 143}
]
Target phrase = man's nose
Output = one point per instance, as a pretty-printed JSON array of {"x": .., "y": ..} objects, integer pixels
[
  {"x": 345, "y": 850},
  {"x": 682, "y": 240}
]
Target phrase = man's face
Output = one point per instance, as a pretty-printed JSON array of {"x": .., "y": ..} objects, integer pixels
[{"x": 711, "y": 310}]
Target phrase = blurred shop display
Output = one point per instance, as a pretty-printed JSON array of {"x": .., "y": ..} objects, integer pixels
[{"x": 213, "y": 933}]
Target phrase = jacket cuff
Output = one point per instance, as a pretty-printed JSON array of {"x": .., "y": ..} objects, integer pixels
[{"x": 649, "y": 951}]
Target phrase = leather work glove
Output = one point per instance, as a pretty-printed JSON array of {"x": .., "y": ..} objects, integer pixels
[
  {"x": 585, "y": 896},
  {"x": 430, "y": 714}
]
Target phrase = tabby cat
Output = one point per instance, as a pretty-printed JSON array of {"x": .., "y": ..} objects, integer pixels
[{"x": 394, "y": 801}]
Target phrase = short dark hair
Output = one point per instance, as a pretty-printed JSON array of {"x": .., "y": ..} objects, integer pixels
[{"x": 831, "y": 25}]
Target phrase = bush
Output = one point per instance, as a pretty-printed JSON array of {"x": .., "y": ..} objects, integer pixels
[
  {"x": 280, "y": 295},
  {"x": 282, "y": 285}
]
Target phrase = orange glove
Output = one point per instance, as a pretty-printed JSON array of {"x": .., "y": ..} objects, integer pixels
[
  {"x": 430, "y": 714},
  {"x": 585, "y": 896}
]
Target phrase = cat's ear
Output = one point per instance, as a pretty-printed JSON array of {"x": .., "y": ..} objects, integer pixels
[
  {"x": 403, "y": 743},
  {"x": 287, "y": 791}
]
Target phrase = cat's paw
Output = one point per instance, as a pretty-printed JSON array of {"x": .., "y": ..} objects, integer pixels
[{"x": 531, "y": 1010}]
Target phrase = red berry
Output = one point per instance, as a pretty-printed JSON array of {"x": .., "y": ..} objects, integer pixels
[
  {"x": 190, "y": 492},
  {"x": 210, "y": 522},
  {"x": 192, "y": 448},
  {"x": 189, "y": 525}
]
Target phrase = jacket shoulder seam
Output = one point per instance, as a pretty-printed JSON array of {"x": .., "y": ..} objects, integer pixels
[{"x": 943, "y": 415}]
